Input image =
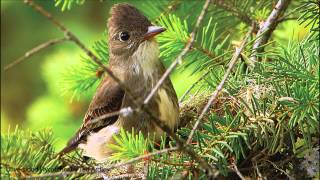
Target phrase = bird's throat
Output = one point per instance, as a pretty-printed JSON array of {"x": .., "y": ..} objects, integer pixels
[
  {"x": 145, "y": 59},
  {"x": 143, "y": 65}
]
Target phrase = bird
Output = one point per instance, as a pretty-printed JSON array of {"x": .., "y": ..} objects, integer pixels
[{"x": 134, "y": 59}]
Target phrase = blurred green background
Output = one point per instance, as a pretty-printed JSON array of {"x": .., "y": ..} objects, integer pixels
[{"x": 30, "y": 93}]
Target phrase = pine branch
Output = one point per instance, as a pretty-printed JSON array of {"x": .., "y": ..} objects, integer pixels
[{"x": 268, "y": 27}]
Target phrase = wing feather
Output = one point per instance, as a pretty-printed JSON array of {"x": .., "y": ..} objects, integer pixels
[{"x": 108, "y": 99}]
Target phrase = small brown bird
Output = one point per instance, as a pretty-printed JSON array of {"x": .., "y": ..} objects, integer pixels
[{"x": 134, "y": 59}]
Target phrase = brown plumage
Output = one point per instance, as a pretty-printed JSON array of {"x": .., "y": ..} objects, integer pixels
[{"x": 134, "y": 58}]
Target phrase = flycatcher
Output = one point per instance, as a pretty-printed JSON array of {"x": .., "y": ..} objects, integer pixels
[{"x": 134, "y": 59}]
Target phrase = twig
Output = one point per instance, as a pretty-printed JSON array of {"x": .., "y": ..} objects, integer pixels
[
  {"x": 180, "y": 143},
  {"x": 178, "y": 60},
  {"x": 268, "y": 27},
  {"x": 35, "y": 50},
  {"x": 133, "y": 160},
  {"x": 235, "y": 169},
  {"x": 220, "y": 86},
  {"x": 276, "y": 167},
  {"x": 124, "y": 112}
]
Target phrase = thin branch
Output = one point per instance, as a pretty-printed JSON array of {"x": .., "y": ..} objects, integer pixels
[
  {"x": 235, "y": 169},
  {"x": 268, "y": 27},
  {"x": 178, "y": 60},
  {"x": 124, "y": 112},
  {"x": 35, "y": 50},
  {"x": 220, "y": 86},
  {"x": 95, "y": 171}
]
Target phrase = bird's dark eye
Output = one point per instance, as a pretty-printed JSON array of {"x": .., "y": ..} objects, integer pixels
[{"x": 124, "y": 36}]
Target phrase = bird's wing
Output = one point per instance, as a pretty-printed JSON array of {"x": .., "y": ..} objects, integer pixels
[{"x": 108, "y": 99}]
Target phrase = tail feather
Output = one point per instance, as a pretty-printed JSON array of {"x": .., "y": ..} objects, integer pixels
[{"x": 67, "y": 149}]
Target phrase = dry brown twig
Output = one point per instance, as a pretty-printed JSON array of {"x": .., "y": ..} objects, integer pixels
[
  {"x": 35, "y": 50},
  {"x": 181, "y": 145},
  {"x": 236, "y": 170}
]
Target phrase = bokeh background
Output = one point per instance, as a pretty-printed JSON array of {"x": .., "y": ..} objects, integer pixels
[{"x": 31, "y": 96}]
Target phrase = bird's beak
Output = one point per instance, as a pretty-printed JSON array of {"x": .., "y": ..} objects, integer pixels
[{"x": 153, "y": 31}]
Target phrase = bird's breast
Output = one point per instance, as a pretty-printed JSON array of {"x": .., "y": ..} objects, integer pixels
[
  {"x": 168, "y": 111},
  {"x": 145, "y": 59}
]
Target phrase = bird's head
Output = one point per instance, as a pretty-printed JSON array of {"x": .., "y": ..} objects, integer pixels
[{"x": 128, "y": 29}]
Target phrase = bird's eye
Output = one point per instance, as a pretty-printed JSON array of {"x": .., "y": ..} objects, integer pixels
[{"x": 124, "y": 36}]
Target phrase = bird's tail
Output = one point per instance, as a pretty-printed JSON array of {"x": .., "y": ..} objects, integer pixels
[
  {"x": 67, "y": 149},
  {"x": 73, "y": 143}
]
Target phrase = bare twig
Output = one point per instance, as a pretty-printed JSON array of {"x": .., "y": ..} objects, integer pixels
[
  {"x": 35, "y": 50},
  {"x": 178, "y": 60},
  {"x": 133, "y": 160},
  {"x": 220, "y": 86},
  {"x": 235, "y": 169},
  {"x": 268, "y": 27},
  {"x": 124, "y": 112}
]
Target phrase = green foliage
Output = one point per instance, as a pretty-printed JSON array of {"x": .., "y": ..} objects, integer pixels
[
  {"x": 310, "y": 17},
  {"x": 27, "y": 153},
  {"x": 295, "y": 79},
  {"x": 81, "y": 77},
  {"x": 67, "y": 4},
  {"x": 128, "y": 145}
]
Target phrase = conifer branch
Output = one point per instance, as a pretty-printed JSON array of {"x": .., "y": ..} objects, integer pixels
[
  {"x": 214, "y": 95},
  {"x": 35, "y": 50},
  {"x": 268, "y": 27}
]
